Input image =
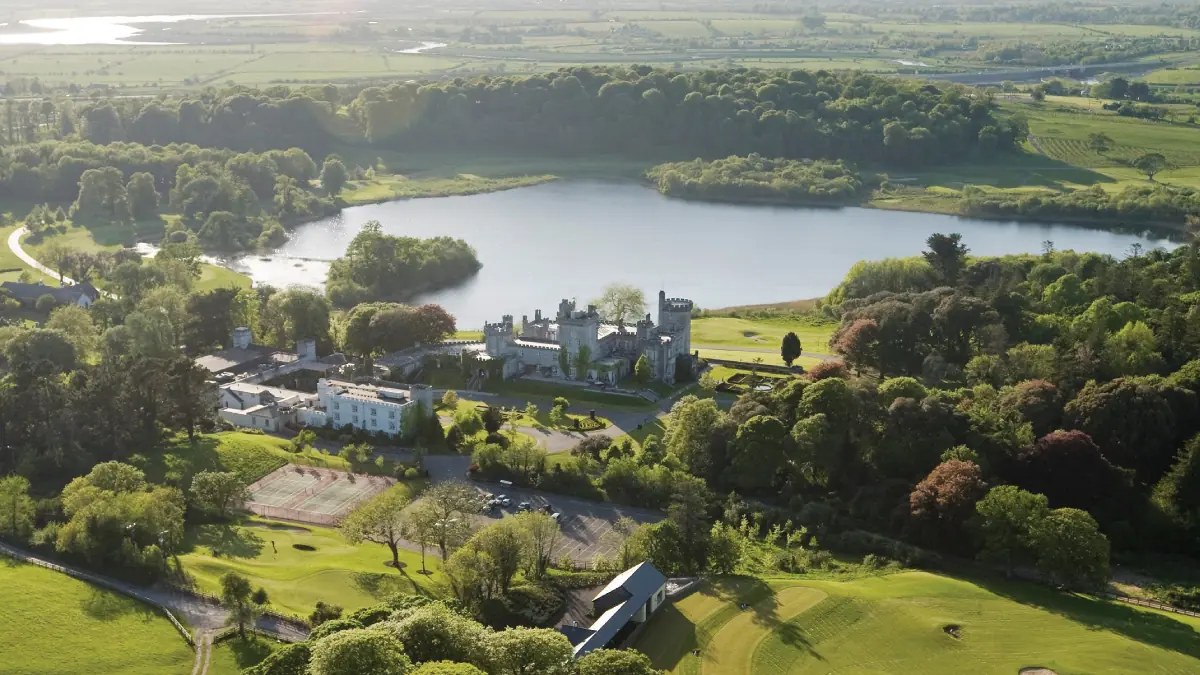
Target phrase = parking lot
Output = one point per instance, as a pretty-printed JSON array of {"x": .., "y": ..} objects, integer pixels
[{"x": 584, "y": 523}]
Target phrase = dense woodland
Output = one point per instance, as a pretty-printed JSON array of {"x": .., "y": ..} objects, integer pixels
[
  {"x": 640, "y": 110},
  {"x": 1148, "y": 204},
  {"x": 1064, "y": 385},
  {"x": 755, "y": 178},
  {"x": 637, "y": 110},
  {"x": 227, "y": 201},
  {"x": 378, "y": 266}
]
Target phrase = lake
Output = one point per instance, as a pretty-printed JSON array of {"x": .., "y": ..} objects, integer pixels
[{"x": 569, "y": 239}]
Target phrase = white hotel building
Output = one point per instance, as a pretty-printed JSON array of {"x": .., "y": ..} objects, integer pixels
[
  {"x": 337, "y": 404},
  {"x": 369, "y": 407}
]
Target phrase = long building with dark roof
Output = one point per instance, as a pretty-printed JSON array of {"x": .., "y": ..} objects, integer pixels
[{"x": 625, "y": 602}]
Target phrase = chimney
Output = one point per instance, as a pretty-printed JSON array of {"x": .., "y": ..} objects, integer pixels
[{"x": 242, "y": 337}]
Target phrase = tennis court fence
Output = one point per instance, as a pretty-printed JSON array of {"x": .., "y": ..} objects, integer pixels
[{"x": 297, "y": 515}]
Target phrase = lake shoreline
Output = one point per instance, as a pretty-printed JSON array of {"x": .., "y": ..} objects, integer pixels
[{"x": 570, "y": 238}]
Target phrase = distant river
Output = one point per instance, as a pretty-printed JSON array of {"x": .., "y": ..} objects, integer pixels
[
  {"x": 569, "y": 239},
  {"x": 99, "y": 30}
]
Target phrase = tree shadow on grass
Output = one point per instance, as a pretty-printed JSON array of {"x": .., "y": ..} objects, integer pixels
[
  {"x": 383, "y": 587},
  {"x": 108, "y": 606},
  {"x": 1143, "y": 626},
  {"x": 249, "y": 652},
  {"x": 226, "y": 540},
  {"x": 178, "y": 460},
  {"x": 766, "y": 615},
  {"x": 675, "y": 637}
]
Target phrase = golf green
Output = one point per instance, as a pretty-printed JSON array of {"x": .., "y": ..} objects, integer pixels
[{"x": 915, "y": 622}]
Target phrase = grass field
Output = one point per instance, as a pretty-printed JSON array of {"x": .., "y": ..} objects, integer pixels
[
  {"x": 897, "y": 625},
  {"x": 725, "y": 331},
  {"x": 10, "y": 261},
  {"x": 51, "y": 624},
  {"x": 1175, "y": 76},
  {"x": 768, "y": 358},
  {"x": 251, "y": 456},
  {"x": 335, "y": 571},
  {"x": 232, "y": 656}
]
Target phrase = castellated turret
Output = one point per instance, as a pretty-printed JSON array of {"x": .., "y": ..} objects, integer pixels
[
  {"x": 496, "y": 336},
  {"x": 675, "y": 319}
]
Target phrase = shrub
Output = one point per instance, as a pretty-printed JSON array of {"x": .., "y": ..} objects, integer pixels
[
  {"x": 369, "y": 616},
  {"x": 447, "y": 668},
  {"x": 359, "y": 651},
  {"x": 828, "y": 369},
  {"x": 327, "y": 628},
  {"x": 45, "y": 304},
  {"x": 531, "y": 605},
  {"x": 411, "y": 473},
  {"x": 289, "y": 660},
  {"x": 860, "y": 542},
  {"x": 323, "y": 613}
]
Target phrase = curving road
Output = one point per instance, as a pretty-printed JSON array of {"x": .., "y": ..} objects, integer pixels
[{"x": 14, "y": 245}]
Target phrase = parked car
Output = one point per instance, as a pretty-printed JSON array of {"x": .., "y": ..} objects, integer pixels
[
  {"x": 504, "y": 501},
  {"x": 556, "y": 516},
  {"x": 546, "y": 508},
  {"x": 524, "y": 506}
]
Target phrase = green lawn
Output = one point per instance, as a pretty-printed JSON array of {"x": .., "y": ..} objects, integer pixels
[
  {"x": 233, "y": 655},
  {"x": 542, "y": 419},
  {"x": 768, "y": 358},
  {"x": 548, "y": 390},
  {"x": 252, "y": 456},
  {"x": 51, "y": 624},
  {"x": 335, "y": 572},
  {"x": 391, "y": 187},
  {"x": 726, "y": 332},
  {"x": 8, "y": 260},
  {"x": 896, "y": 624}
]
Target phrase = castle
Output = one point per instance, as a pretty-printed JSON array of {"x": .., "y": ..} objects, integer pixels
[{"x": 576, "y": 339}]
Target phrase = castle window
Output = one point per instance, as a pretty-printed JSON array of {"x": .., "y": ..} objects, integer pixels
[
  {"x": 337, "y": 406},
  {"x": 373, "y": 412}
]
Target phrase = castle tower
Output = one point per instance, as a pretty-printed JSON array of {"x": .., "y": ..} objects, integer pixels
[
  {"x": 675, "y": 318},
  {"x": 496, "y": 336},
  {"x": 578, "y": 329}
]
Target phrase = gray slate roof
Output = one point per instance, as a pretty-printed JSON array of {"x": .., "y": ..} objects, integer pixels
[
  {"x": 619, "y": 600},
  {"x": 31, "y": 292}
]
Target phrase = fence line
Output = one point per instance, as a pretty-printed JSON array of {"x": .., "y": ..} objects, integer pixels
[
  {"x": 295, "y": 515},
  {"x": 1150, "y": 603},
  {"x": 100, "y": 581}
]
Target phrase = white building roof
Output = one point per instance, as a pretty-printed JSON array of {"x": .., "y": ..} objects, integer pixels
[{"x": 370, "y": 393}]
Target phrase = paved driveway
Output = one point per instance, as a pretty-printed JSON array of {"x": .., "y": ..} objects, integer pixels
[{"x": 584, "y": 523}]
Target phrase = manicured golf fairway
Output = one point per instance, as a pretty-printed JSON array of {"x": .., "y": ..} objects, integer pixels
[
  {"x": 898, "y": 625},
  {"x": 324, "y": 568},
  {"x": 51, "y": 624}
]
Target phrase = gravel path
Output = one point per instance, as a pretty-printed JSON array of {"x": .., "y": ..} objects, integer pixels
[{"x": 14, "y": 245}]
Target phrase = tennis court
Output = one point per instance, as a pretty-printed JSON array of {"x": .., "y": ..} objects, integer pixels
[{"x": 310, "y": 495}]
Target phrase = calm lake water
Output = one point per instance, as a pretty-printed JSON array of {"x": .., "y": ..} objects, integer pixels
[{"x": 569, "y": 239}]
